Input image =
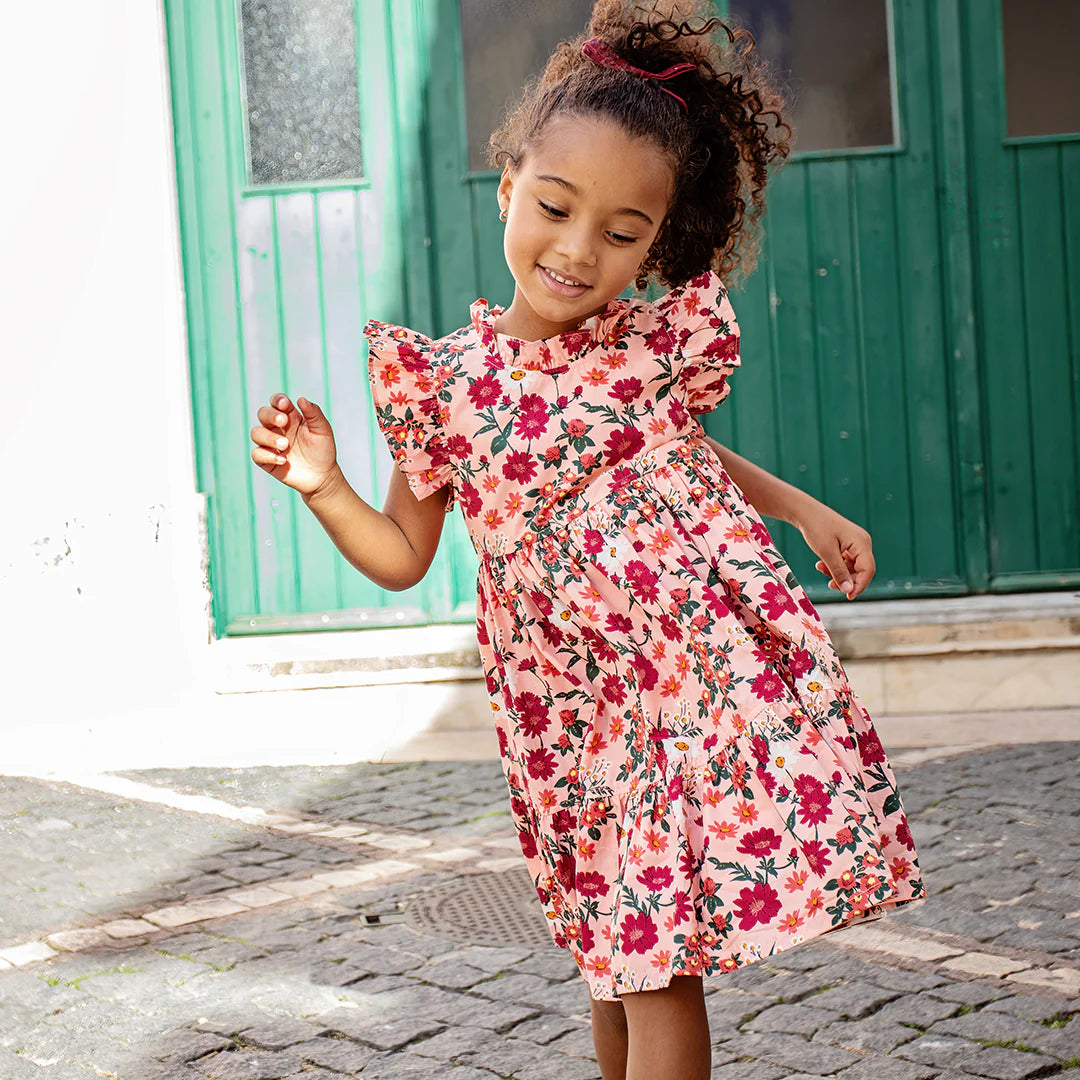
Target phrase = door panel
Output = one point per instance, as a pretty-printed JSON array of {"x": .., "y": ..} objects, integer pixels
[{"x": 1027, "y": 241}]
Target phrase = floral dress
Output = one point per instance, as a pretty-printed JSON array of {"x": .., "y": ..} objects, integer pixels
[{"x": 694, "y": 782}]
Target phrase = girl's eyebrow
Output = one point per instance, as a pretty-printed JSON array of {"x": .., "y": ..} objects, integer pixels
[{"x": 574, "y": 191}]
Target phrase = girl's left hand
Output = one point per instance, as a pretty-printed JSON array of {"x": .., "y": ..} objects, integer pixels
[{"x": 845, "y": 549}]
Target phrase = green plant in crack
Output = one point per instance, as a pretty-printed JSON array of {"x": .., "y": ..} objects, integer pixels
[
  {"x": 1070, "y": 1063},
  {"x": 822, "y": 989},
  {"x": 964, "y": 1010},
  {"x": 1011, "y": 1044},
  {"x": 52, "y": 980},
  {"x": 122, "y": 970},
  {"x": 1059, "y": 1019}
]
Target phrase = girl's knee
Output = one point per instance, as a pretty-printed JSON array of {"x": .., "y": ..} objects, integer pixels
[{"x": 608, "y": 1012}]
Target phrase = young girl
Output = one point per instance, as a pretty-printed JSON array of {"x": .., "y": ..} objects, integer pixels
[{"x": 694, "y": 782}]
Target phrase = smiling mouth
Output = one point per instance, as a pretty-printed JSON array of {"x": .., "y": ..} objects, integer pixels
[{"x": 563, "y": 279}]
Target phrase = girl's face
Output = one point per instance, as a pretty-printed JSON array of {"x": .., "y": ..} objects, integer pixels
[{"x": 585, "y": 204}]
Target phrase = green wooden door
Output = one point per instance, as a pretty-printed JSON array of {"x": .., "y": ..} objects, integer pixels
[
  {"x": 1025, "y": 183},
  {"x": 300, "y": 134}
]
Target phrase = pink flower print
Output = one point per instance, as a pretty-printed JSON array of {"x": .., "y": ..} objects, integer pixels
[
  {"x": 768, "y": 686},
  {"x": 642, "y": 580},
  {"x": 519, "y": 466},
  {"x": 661, "y": 341},
  {"x": 759, "y": 842},
  {"x": 637, "y": 934},
  {"x": 644, "y": 671},
  {"x": 816, "y": 855},
  {"x": 814, "y": 802},
  {"x": 759, "y": 904},
  {"x": 541, "y": 763},
  {"x": 626, "y": 390},
  {"x": 657, "y": 878},
  {"x": 532, "y": 714},
  {"x": 777, "y": 600},
  {"x": 870, "y": 747},
  {"x": 591, "y": 883},
  {"x": 532, "y": 416},
  {"x": 623, "y": 443}
]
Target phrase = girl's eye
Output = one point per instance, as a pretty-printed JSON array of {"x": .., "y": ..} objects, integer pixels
[{"x": 562, "y": 213}]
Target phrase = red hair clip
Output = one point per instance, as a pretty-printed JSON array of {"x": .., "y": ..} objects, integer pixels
[{"x": 604, "y": 55}]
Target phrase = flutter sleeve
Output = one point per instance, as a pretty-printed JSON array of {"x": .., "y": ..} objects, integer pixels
[
  {"x": 404, "y": 390},
  {"x": 700, "y": 316}
]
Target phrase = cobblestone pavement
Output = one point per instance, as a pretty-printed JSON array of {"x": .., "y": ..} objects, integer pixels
[{"x": 144, "y": 942}]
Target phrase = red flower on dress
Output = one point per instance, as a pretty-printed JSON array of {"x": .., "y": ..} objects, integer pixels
[
  {"x": 637, "y": 934},
  {"x": 759, "y": 904}
]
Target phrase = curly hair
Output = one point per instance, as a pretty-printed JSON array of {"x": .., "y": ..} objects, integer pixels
[{"x": 720, "y": 149}]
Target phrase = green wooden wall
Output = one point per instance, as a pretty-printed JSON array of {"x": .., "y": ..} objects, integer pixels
[{"x": 909, "y": 338}]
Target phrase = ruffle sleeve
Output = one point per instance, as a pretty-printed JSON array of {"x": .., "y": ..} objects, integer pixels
[
  {"x": 404, "y": 390},
  {"x": 701, "y": 317}
]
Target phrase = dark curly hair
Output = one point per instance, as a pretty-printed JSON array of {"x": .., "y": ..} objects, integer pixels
[{"x": 720, "y": 150}]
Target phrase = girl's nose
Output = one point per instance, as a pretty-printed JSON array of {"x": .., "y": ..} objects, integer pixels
[{"x": 576, "y": 245}]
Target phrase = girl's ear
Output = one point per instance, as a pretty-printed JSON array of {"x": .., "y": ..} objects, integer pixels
[{"x": 506, "y": 186}]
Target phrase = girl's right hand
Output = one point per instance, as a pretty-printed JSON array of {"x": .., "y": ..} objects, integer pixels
[{"x": 309, "y": 455}]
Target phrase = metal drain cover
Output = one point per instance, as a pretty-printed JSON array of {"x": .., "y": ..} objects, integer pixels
[{"x": 484, "y": 909}]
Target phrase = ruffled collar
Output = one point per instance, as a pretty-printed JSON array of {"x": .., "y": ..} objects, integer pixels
[{"x": 554, "y": 353}]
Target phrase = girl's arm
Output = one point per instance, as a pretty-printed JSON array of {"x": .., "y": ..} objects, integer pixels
[
  {"x": 844, "y": 549},
  {"x": 393, "y": 547}
]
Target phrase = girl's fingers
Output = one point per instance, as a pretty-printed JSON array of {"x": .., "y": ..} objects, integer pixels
[
  {"x": 272, "y": 418},
  {"x": 261, "y": 456},
  {"x": 273, "y": 439}
]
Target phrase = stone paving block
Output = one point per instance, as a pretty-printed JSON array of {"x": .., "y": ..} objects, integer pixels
[
  {"x": 1030, "y": 1007},
  {"x": 186, "y": 1044},
  {"x": 972, "y": 992},
  {"x": 577, "y": 1043},
  {"x": 982, "y": 963},
  {"x": 453, "y": 973},
  {"x": 498, "y": 1016},
  {"x": 455, "y": 1043},
  {"x": 247, "y": 1065},
  {"x": 791, "y": 1051},
  {"x": 527, "y": 989},
  {"x": 339, "y": 1055},
  {"x": 1002, "y": 1063},
  {"x": 940, "y": 1050},
  {"x": 281, "y": 1033},
  {"x": 386, "y": 1035},
  {"x": 542, "y": 1029},
  {"x": 551, "y": 962},
  {"x": 548, "y": 1064},
  {"x": 76, "y": 940},
  {"x": 872, "y": 1033},
  {"x": 1064, "y": 980},
  {"x": 799, "y": 1019},
  {"x": 849, "y": 1001},
  {"x": 257, "y": 897},
  {"x": 730, "y": 1008},
  {"x": 888, "y": 1068},
  {"x": 129, "y": 928},
  {"x": 29, "y": 952},
  {"x": 921, "y": 1010},
  {"x": 748, "y": 1070},
  {"x": 908, "y": 982}
]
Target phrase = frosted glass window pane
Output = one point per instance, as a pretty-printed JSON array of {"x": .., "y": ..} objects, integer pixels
[
  {"x": 303, "y": 108},
  {"x": 1042, "y": 79},
  {"x": 835, "y": 59},
  {"x": 504, "y": 42}
]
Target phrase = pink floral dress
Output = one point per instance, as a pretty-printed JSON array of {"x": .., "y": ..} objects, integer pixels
[{"x": 694, "y": 782}]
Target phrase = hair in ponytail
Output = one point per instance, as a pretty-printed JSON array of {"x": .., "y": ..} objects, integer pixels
[{"x": 720, "y": 148}]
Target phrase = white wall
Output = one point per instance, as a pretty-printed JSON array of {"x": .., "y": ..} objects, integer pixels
[{"x": 100, "y": 561}]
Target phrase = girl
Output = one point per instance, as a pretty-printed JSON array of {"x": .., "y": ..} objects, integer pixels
[{"x": 694, "y": 782}]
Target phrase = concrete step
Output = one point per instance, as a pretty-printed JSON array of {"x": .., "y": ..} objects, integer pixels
[{"x": 904, "y": 657}]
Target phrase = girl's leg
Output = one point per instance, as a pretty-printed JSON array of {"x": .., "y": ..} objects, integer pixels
[
  {"x": 669, "y": 1032},
  {"x": 609, "y": 1037}
]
